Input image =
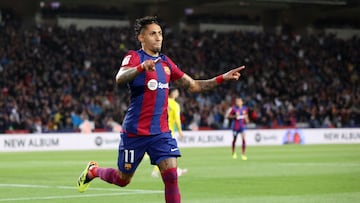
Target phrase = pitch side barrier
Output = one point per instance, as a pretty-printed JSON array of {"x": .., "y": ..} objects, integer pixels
[{"x": 213, "y": 138}]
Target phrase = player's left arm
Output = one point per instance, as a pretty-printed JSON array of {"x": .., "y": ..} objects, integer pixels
[
  {"x": 247, "y": 117},
  {"x": 204, "y": 85}
]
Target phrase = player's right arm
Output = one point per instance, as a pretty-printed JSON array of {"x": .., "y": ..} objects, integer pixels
[
  {"x": 126, "y": 74},
  {"x": 131, "y": 67},
  {"x": 230, "y": 113}
]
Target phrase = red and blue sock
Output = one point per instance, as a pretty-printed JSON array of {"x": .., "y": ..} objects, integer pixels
[
  {"x": 170, "y": 179},
  {"x": 110, "y": 175}
]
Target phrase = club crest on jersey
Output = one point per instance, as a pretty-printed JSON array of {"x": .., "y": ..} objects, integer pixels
[
  {"x": 127, "y": 166},
  {"x": 167, "y": 70}
]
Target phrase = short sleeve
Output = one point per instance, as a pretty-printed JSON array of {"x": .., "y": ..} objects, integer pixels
[
  {"x": 232, "y": 111},
  {"x": 131, "y": 59}
]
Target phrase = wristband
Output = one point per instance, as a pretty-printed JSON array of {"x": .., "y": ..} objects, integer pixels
[
  {"x": 219, "y": 79},
  {"x": 140, "y": 68}
]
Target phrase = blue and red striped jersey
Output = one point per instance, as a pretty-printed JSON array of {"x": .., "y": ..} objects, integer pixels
[
  {"x": 147, "y": 113},
  {"x": 238, "y": 122}
]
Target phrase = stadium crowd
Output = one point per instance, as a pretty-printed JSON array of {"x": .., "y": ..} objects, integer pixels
[{"x": 53, "y": 78}]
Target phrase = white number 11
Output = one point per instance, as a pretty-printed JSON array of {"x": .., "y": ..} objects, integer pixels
[{"x": 129, "y": 155}]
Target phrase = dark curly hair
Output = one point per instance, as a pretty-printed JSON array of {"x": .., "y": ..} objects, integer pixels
[{"x": 141, "y": 23}]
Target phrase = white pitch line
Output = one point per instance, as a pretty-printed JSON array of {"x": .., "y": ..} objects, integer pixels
[
  {"x": 119, "y": 192},
  {"x": 107, "y": 189},
  {"x": 72, "y": 196},
  {"x": 74, "y": 188},
  {"x": 24, "y": 185}
]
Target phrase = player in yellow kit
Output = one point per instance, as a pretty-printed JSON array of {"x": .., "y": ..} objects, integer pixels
[
  {"x": 174, "y": 121},
  {"x": 174, "y": 113}
]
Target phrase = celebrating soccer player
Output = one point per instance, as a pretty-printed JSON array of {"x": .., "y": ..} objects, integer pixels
[{"x": 148, "y": 73}]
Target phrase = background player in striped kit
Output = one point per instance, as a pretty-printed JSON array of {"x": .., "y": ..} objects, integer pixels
[
  {"x": 148, "y": 73},
  {"x": 238, "y": 114}
]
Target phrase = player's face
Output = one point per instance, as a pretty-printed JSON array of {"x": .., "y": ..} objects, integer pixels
[
  {"x": 239, "y": 102},
  {"x": 151, "y": 39}
]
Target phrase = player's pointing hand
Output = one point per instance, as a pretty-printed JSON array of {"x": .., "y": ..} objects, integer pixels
[
  {"x": 233, "y": 74},
  {"x": 149, "y": 65}
]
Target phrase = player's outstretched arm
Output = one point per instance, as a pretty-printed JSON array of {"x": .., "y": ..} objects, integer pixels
[
  {"x": 127, "y": 74},
  {"x": 204, "y": 85}
]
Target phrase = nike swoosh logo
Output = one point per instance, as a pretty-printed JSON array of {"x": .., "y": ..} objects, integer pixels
[{"x": 174, "y": 149}]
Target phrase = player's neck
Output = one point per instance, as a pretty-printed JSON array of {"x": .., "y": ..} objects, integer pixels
[{"x": 151, "y": 53}]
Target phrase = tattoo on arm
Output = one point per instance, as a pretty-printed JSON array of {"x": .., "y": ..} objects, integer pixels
[
  {"x": 206, "y": 85},
  {"x": 125, "y": 75},
  {"x": 196, "y": 85},
  {"x": 184, "y": 82}
]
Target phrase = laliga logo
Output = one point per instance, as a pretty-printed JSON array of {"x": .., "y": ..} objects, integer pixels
[{"x": 153, "y": 85}]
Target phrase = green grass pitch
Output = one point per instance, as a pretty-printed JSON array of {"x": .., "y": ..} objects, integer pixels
[{"x": 272, "y": 174}]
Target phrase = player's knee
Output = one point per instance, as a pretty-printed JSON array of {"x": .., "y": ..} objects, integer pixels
[
  {"x": 122, "y": 179},
  {"x": 123, "y": 183},
  {"x": 170, "y": 175}
]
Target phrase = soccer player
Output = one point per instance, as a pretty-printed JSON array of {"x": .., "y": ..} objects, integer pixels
[
  {"x": 174, "y": 121},
  {"x": 238, "y": 114},
  {"x": 147, "y": 72}
]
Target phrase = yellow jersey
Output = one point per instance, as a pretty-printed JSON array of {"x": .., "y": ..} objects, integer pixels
[{"x": 174, "y": 115}]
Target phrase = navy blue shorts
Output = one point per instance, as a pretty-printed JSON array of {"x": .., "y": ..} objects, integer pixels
[
  {"x": 236, "y": 132},
  {"x": 158, "y": 147}
]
